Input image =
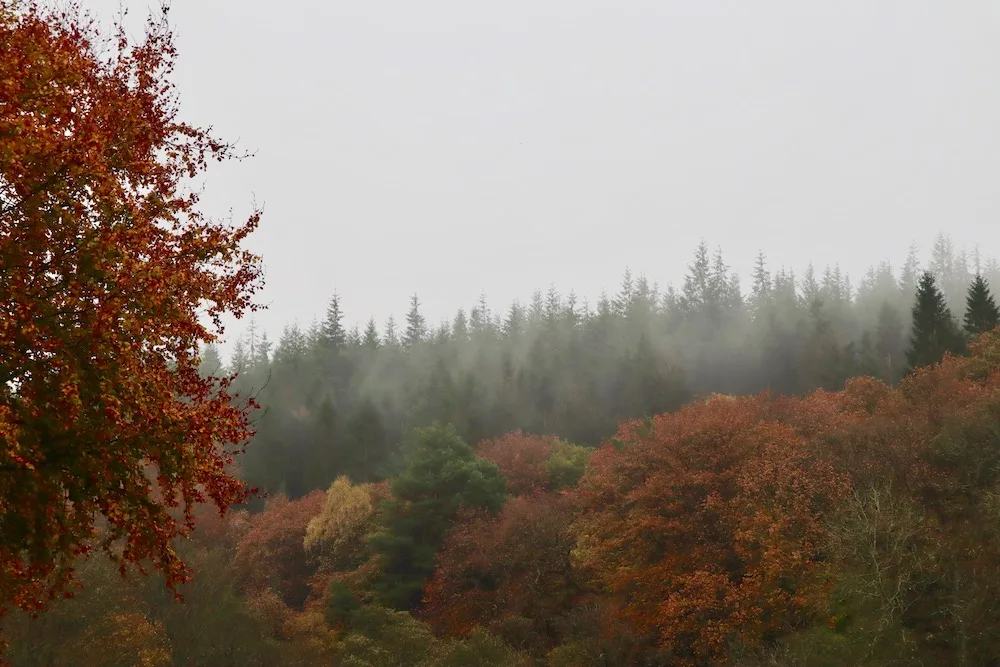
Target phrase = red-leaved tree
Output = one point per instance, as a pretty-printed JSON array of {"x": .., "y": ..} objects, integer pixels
[{"x": 109, "y": 275}]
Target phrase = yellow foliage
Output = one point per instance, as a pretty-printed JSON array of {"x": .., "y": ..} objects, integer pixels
[
  {"x": 124, "y": 639},
  {"x": 335, "y": 539}
]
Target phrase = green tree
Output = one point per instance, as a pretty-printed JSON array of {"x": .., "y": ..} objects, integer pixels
[
  {"x": 442, "y": 474},
  {"x": 211, "y": 361},
  {"x": 370, "y": 337},
  {"x": 890, "y": 343},
  {"x": 416, "y": 325},
  {"x": 934, "y": 329},
  {"x": 332, "y": 333},
  {"x": 981, "y": 312}
]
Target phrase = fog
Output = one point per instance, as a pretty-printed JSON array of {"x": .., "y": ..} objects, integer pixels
[{"x": 451, "y": 149}]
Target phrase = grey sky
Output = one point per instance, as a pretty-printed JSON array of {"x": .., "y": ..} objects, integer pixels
[{"x": 453, "y": 147}]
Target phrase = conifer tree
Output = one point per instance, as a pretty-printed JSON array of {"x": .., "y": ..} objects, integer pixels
[
  {"x": 391, "y": 336},
  {"x": 513, "y": 326},
  {"x": 442, "y": 473},
  {"x": 623, "y": 301},
  {"x": 416, "y": 325},
  {"x": 981, "y": 312},
  {"x": 370, "y": 337},
  {"x": 934, "y": 329},
  {"x": 536, "y": 311},
  {"x": 354, "y": 337},
  {"x": 211, "y": 361},
  {"x": 262, "y": 352},
  {"x": 460, "y": 326},
  {"x": 697, "y": 291},
  {"x": 240, "y": 359},
  {"x": 760, "y": 292},
  {"x": 890, "y": 344},
  {"x": 911, "y": 272},
  {"x": 332, "y": 331}
]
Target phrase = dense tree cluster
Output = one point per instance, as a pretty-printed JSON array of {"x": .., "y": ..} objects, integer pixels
[
  {"x": 808, "y": 473},
  {"x": 338, "y": 401},
  {"x": 856, "y": 526}
]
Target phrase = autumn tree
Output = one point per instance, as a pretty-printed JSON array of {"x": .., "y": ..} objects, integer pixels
[
  {"x": 110, "y": 282},
  {"x": 511, "y": 573},
  {"x": 336, "y": 537},
  {"x": 272, "y": 555},
  {"x": 705, "y": 526}
]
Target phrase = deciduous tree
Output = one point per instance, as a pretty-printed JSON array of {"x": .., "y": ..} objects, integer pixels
[{"x": 110, "y": 281}]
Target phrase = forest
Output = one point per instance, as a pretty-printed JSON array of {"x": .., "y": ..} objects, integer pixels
[
  {"x": 795, "y": 470},
  {"x": 805, "y": 474}
]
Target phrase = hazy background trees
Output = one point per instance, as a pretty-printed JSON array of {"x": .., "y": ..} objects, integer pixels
[{"x": 339, "y": 401}]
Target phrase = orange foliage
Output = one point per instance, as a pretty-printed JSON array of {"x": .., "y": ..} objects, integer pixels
[
  {"x": 271, "y": 555},
  {"x": 521, "y": 459},
  {"x": 108, "y": 269},
  {"x": 514, "y": 565},
  {"x": 706, "y": 525}
]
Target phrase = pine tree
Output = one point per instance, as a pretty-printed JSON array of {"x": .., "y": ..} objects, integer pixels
[
  {"x": 536, "y": 311},
  {"x": 291, "y": 346},
  {"x": 262, "y": 352},
  {"x": 332, "y": 331},
  {"x": 211, "y": 361},
  {"x": 240, "y": 359},
  {"x": 810, "y": 288},
  {"x": 370, "y": 337},
  {"x": 513, "y": 326},
  {"x": 442, "y": 474},
  {"x": 623, "y": 301},
  {"x": 553, "y": 304},
  {"x": 697, "y": 291},
  {"x": 416, "y": 325},
  {"x": 354, "y": 337},
  {"x": 391, "y": 335},
  {"x": 981, "y": 312},
  {"x": 890, "y": 343},
  {"x": 486, "y": 318},
  {"x": 760, "y": 293},
  {"x": 934, "y": 329},
  {"x": 911, "y": 273},
  {"x": 391, "y": 338},
  {"x": 460, "y": 326}
]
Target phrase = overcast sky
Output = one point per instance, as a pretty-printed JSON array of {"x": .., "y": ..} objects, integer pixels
[{"x": 453, "y": 147}]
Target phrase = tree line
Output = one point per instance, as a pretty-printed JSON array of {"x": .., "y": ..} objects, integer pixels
[{"x": 339, "y": 401}]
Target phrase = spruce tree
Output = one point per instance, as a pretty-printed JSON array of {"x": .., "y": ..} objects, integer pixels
[
  {"x": 441, "y": 474},
  {"x": 211, "y": 361},
  {"x": 239, "y": 361},
  {"x": 513, "y": 326},
  {"x": 370, "y": 337},
  {"x": 890, "y": 344},
  {"x": 354, "y": 337},
  {"x": 460, "y": 326},
  {"x": 760, "y": 294},
  {"x": 981, "y": 312},
  {"x": 416, "y": 326},
  {"x": 391, "y": 335},
  {"x": 934, "y": 329},
  {"x": 262, "y": 352},
  {"x": 697, "y": 292},
  {"x": 332, "y": 333}
]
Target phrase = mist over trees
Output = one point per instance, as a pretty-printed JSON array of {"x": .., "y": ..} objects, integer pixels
[
  {"x": 340, "y": 403},
  {"x": 800, "y": 471}
]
